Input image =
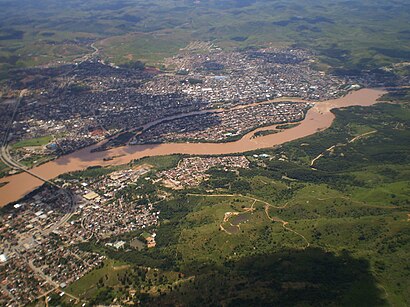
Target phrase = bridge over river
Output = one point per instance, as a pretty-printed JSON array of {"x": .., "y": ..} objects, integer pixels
[{"x": 317, "y": 118}]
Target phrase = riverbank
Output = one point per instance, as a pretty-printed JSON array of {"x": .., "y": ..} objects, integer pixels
[{"x": 317, "y": 118}]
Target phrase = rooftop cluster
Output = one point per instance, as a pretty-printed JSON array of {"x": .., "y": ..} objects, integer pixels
[
  {"x": 224, "y": 125},
  {"x": 39, "y": 235},
  {"x": 81, "y": 104},
  {"x": 191, "y": 172}
]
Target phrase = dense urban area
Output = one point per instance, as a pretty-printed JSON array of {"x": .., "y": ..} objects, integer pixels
[
  {"x": 217, "y": 96},
  {"x": 72, "y": 106},
  {"x": 223, "y": 126},
  {"x": 204, "y": 153}
]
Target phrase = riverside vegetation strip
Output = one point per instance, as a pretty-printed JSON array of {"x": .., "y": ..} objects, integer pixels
[{"x": 317, "y": 118}]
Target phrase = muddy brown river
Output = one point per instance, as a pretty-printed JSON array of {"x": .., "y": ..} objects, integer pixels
[{"x": 317, "y": 118}]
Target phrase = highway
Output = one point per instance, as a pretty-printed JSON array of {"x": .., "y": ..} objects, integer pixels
[
  {"x": 8, "y": 160},
  {"x": 4, "y": 151}
]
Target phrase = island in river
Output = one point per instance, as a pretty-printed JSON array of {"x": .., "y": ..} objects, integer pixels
[{"x": 317, "y": 118}]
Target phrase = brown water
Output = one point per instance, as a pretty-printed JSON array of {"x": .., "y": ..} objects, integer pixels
[{"x": 318, "y": 118}]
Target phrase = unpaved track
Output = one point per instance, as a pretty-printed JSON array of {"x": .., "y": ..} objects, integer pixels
[
  {"x": 267, "y": 206},
  {"x": 285, "y": 226},
  {"x": 338, "y": 145}
]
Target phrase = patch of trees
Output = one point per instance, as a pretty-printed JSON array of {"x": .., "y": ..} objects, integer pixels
[
  {"x": 310, "y": 277},
  {"x": 136, "y": 65},
  {"x": 76, "y": 88},
  {"x": 212, "y": 65},
  {"x": 9, "y": 34},
  {"x": 240, "y": 186},
  {"x": 104, "y": 297}
]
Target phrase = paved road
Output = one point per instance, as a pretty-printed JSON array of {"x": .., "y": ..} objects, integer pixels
[
  {"x": 40, "y": 273},
  {"x": 19, "y": 99},
  {"x": 4, "y": 151},
  {"x": 8, "y": 160}
]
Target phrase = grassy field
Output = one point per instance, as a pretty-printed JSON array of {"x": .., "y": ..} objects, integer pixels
[
  {"x": 41, "y": 141},
  {"x": 283, "y": 232},
  {"x": 148, "y": 48},
  {"x": 34, "y": 159},
  {"x": 109, "y": 272},
  {"x": 160, "y": 162}
]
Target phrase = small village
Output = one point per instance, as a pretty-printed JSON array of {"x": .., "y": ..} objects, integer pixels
[{"x": 190, "y": 172}]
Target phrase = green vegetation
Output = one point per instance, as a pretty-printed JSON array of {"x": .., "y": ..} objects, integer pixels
[
  {"x": 115, "y": 279},
  {"x": 397, "y": 95},
  {"x": 159, "y": 162},
  {"x": 137, "y": 65},
  {"x": 287, "y": 126},
  {"x": 264, "y": 133},
  {"x": 348, "y": 35},
  {"x": 35, "y": 160},
  {"x": 78, "y": 87},
  {"x": 335, "y": 235},
  {"x": 101, "y": 285},
  {"x": 148, "y": 48},
  {"x": 99, "y": 280},
  {"x": 18, "y": 149},
  {"x": 41, "y": 141},
  {"x": 4, "y": 169},
  {"x": 91, "y": 172}
]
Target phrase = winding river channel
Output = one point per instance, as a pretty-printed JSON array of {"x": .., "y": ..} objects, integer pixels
[{"x": 317, "y": 118}]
